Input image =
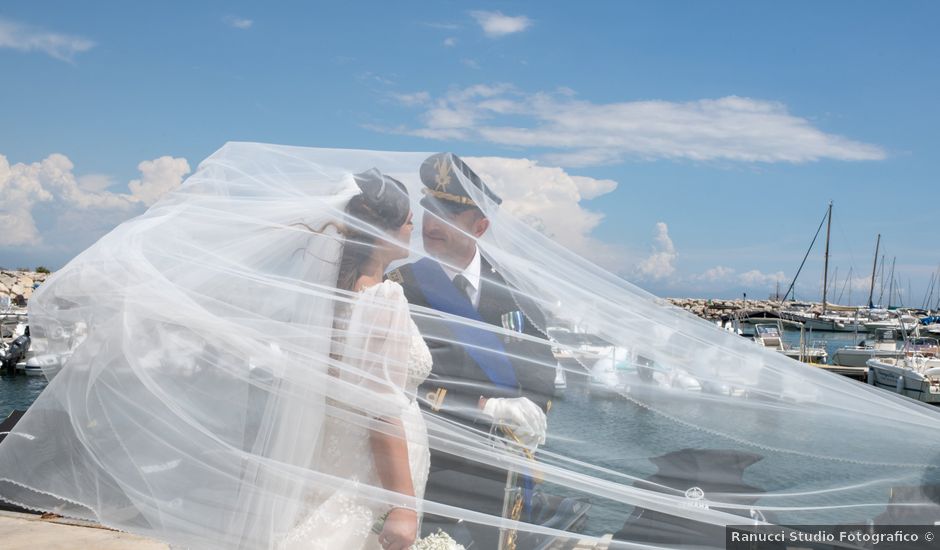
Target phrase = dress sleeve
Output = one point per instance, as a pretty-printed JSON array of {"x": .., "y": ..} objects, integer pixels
[{"x": 376, "y": 351}]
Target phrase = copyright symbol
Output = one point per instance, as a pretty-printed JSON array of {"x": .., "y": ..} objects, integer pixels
[{"x": 928, "y": 536}]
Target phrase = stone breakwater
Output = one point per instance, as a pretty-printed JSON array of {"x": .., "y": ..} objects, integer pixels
[
  {"x": 723, "y": 309},
  {"x": 18, "y": 285}
]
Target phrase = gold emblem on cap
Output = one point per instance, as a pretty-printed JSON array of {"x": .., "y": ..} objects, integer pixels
[{"x": 443, "y": 174}]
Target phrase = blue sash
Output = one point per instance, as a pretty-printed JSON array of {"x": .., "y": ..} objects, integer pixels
[{"x": 484, "y": 347}]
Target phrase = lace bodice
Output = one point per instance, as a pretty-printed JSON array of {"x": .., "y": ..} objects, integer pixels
[
  {"x": 419, "y": 356},
  {"x": 419, "y": 361},
  {"x": 343, "y": 518}
]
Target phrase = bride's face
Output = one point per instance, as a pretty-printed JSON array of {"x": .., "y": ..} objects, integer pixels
[{"x": 397, "y": 245}]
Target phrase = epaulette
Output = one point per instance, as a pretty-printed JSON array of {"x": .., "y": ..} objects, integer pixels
[{"x": 395, "y": 276}]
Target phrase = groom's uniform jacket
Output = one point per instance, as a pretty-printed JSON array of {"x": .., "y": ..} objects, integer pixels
[
  {"x": 455, "y": 480},
  {"x": 456, "y": 370}
]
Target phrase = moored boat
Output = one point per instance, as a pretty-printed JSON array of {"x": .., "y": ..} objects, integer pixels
[
  {"x": 771, "y": 337},
  {"x": 904, "y": 322},
  {"x": 883, "y": 345},
  {"x": 916, "y": 376}
]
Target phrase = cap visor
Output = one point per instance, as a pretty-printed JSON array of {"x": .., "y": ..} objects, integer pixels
[{"x": 439, "y": 206}]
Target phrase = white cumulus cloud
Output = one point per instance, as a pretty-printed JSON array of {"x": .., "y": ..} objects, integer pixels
[
  {"x": 756, "y": 278},
  {"x": 717, "y": 274},
  {"x": 661, "y": 263},
  {"x": 495, "y": 24},
  {"x": 416, "y": 98},
  {"x": 51, "y": 186},
  {"x": 27, "y": 38},
  {"x": 577, "y": 132},
  {"x": 238, "y": 22},
  {"x": 159, "y": 176},
  {"x": 548, "y": 199},
  {"x": 728, "y": 276}
]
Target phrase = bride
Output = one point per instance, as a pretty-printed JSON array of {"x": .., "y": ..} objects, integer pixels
[
  {"x": 248, "y": 379},
  {"x": 398, "y": 360}
]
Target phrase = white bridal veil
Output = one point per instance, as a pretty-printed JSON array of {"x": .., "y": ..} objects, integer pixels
[{"x": 192, "y": 407}]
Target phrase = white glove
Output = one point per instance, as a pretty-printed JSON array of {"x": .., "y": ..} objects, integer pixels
[{"x": 520, "y": 414}]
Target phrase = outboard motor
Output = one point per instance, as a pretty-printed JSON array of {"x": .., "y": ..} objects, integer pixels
[{"x": 15, "y": 353}]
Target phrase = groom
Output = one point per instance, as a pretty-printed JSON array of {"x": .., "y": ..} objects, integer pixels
[{"x": 479, "y": 378}]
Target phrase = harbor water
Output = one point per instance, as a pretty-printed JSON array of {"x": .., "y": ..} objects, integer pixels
[
  {"x": 634, "y": 434},
  {"x": 18, "y": 392}
]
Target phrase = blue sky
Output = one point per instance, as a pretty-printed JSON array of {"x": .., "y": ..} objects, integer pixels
[{"x": 709, "y": 136}]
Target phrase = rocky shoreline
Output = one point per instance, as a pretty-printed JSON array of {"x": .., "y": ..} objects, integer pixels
[
  {"x": 18, "y": 286},
  {"x": 708, "y": 308}
]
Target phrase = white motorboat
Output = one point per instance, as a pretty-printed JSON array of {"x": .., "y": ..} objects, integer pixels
[
  {"x": 583, "y": 347},
  {"x": 834, "y": 323},
  {"x": 28, "y": 369},
  {"x": 605, "y": 378},
  {"x": 618, "y": 374},
  {"x": 771, "y": 336},
  {"x": 828, "y": 322},
  {"x": 561, "y": 379},
  {"x": 563, "y": 342},
  {"x": 915, "y": 376},
  {"x": 35, "y": 365},
  {"x": 610, "y": 372},
  {"x": 923, "y": 345},
  {"x": 593, "y": 347},
  {"x": 905, "y": 322},
  {"x": 933, "y": 328},
  {"x": 883, "y": 345}
]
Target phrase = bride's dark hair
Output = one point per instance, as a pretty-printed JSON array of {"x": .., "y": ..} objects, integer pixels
[{"x": 382, "y": 205}]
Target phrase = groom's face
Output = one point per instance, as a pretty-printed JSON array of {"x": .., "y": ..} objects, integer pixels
[{"x": 451, "y": 237}]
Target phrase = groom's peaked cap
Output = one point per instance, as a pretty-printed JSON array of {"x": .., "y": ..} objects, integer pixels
[{"x": 442, "y": 187}]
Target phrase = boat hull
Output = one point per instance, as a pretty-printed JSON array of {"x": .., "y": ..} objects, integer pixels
[
  {"x": 826, "y": 325},
  {"x": 904, "y": 381},
  {"x": 858, "y": 357}
]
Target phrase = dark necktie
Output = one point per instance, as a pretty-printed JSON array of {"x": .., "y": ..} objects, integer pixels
[{"x": 463, "y": 285}]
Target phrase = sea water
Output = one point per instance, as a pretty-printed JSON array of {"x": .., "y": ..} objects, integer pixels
[
  {"x": 18, "y": 392},
  {"x": 623, "y": 436}
]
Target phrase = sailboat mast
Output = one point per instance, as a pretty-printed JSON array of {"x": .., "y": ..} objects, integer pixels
[
  {"x": 929, "y": 297},
  {"x": 808, "y": 250},
  {"x": 826, "y": 262},
  {"x": 850, "y": 285},
  {"x": 891, "y": 284},
  {"x": 937, "y": 307},
  {"x": 881, "y": 277},
  {"x": 874, "y": 268},
  {"x": 835, "y": 283}
]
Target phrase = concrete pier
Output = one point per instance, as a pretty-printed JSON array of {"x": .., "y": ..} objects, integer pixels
[{"x": 22, "y": 531}]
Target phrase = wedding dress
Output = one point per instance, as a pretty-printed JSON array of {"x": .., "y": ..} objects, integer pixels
[
  {"x": 195, "y": 409},
  {"x": 344, "y": 519}
]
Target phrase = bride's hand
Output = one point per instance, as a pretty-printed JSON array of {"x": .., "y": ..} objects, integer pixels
[{"x": 400, "y": 529}]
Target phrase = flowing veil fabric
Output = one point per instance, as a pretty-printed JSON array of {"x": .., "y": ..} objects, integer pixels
[{"x": 193, "y": 408}]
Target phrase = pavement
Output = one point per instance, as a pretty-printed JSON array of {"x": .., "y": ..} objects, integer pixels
[{"x": 22, "y": 531}]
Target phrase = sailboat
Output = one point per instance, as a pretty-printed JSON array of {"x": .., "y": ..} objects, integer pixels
[{"x": 832, "y": 318}]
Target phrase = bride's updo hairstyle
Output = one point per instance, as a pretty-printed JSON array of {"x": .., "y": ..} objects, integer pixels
[{"x": 382, "y": 205}]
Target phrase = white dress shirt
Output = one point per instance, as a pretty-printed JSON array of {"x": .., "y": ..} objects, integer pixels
[{"x": 472, "y": 274}]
